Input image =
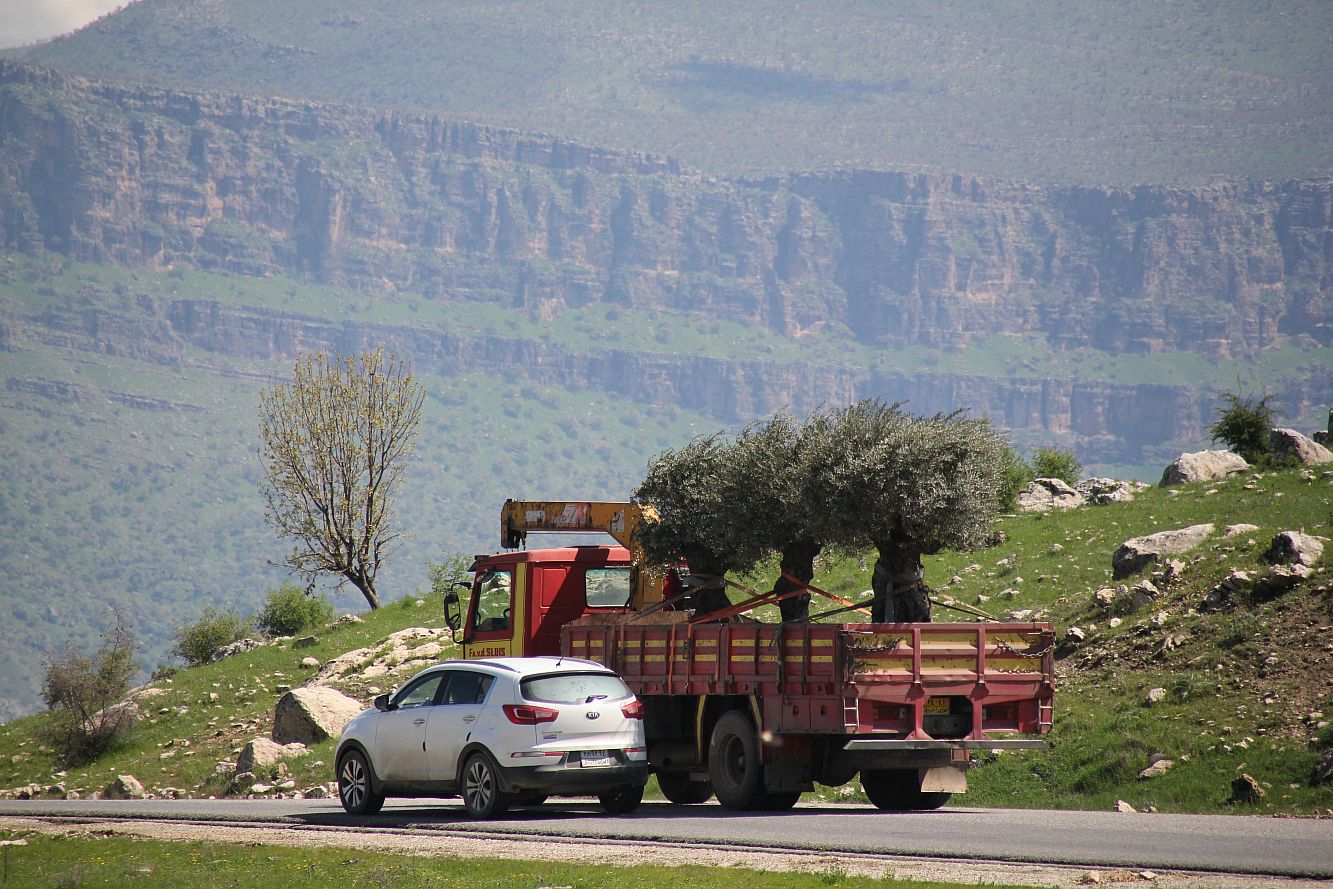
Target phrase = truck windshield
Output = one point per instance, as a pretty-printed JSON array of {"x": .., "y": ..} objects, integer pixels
[
  {"x": 607, "y": 587},
  {"x": 493, "y": 595},
  {"x": 574, "y": 688}
]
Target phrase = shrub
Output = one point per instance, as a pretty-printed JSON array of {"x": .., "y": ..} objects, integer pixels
[
  {"x": 1243, "y": 425},
  {"x": 196, "y": 643},
  {"x": 81, "y": 692},
  {"x": 1056, "y": 463},
  {"x": 289, "y": 610},
  {"x": 1015, "y": 476}
]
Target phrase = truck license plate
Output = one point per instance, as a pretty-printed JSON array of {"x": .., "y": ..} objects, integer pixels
[
  {"x": 595, "y": 758},
  {"x": 937, "y": 707}
]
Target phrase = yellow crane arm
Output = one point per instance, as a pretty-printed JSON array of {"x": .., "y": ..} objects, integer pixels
[{"x": 619, "y": 519}]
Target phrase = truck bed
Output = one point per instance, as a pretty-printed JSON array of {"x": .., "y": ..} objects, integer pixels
[{"x": 900, "y": 683}]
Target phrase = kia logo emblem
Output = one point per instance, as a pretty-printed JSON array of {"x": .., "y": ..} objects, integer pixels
[{"x": 592, "y": 714}]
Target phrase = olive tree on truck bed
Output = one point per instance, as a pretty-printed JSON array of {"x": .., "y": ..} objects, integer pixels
[{"x": 334, "y": 441}]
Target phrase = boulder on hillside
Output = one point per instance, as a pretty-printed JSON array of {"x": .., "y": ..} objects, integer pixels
[
  {"x": 233, "y": 648},
  {"x": 1045, "y": 494},
  {"x": 115, "y": 718},
  {"x": 1294, "y": 547},
  {"x": 1202, "y": 466},
  {"x": 312, "y": 714},
  {"x": 1101, "y": 491},
  {"x": 1290, "y": 443},
  {"x": 124, "y": 787},
  {"x": 261, "y": 753},
  {"x": 1245, "y": 789},
  {"x": 1323, "y": 769},
  {"x": 1139, "y": 552}
]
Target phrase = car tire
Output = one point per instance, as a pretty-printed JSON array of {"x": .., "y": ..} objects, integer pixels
[
  {"x": 483, "y": 796},
  {"x": 899, "y": 790},
  {"x": 356, "y": 791},
  {"x": 733, "y": 763},
  {"x": 679, "y": 789},
  {"x": 621, "y": 800}
]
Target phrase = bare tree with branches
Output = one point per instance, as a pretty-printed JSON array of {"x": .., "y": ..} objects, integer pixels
[{"x": 334, "y": 441}]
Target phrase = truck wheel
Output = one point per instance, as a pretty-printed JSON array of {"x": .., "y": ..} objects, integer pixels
[
  {"x": 733, "y": 763},
  {"x": 621, "y": 800},
  {"x": 354, "y": 788},
  {"x": 677, "y": 787},
  {"x": 899, "y": 790},
  {"x": 482, "y": 795}
]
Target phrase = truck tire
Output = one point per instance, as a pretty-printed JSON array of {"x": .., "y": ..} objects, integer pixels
[
  {"x": 733, "y": 763},
  {"x": 899, "y": 790},
  {"x": 679, "y": 789},
  {"x": 482, "y": 795}
]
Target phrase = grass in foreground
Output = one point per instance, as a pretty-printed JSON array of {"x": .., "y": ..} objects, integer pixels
[{"x": 119, "y": 861}]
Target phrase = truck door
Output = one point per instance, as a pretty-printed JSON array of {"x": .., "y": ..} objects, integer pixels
[{"x": 496, "y": 600}]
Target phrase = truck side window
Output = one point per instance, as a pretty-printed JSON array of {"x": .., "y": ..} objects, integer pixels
[
  {"x": 606, "y": 587},
  {"x": 493, "y": 601}
]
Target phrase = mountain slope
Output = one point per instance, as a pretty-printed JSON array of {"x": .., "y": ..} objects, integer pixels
[{"x": 1044, "y": 91}]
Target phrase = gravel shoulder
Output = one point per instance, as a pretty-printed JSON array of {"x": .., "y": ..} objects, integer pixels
[{"x": 599, "y": 852}]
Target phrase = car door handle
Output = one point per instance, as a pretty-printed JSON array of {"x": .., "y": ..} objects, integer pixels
[
  {"x": 469, "y": 719},
  {"x": 418, "y": 722}
]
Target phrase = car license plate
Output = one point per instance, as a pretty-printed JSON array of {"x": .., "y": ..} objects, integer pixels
[
  {"x": 937, "y": 706},
  {"x": 595, "y": 758}
]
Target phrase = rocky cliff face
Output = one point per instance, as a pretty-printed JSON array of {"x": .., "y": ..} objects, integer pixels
[{"x": 384, "y": 201}]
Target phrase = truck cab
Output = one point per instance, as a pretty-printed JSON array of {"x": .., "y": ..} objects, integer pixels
[{"x": 520, "y": 600}]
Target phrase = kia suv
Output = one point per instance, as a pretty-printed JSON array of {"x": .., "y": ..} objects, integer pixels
[{"x": 498, "y": 732}]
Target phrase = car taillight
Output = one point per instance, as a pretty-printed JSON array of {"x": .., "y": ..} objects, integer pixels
[
  {"x": 526, "y": 714},
  {"x": 633, "y": 710}
]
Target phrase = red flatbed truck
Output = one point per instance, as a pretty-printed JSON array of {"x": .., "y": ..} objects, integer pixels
[{"x": 755, "y": 713}]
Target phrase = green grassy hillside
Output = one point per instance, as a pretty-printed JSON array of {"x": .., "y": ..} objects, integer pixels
[
  {"x": 129, "y": 482},
  {"x": 1046, "y": 91},
  {"x": 1242, "y": 681}
]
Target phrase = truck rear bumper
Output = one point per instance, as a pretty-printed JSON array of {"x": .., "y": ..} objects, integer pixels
[{"x": 868, "y": 744}]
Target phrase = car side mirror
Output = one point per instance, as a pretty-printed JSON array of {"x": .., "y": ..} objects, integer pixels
[{"x": 382, "y": 703}]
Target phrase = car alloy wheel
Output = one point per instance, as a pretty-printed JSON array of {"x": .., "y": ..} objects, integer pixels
[
  {"x": 482, "y": 795},
  {"x": 354, "y": 787}
]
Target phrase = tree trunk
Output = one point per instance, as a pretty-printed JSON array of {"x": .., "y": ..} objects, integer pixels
[
  {"x": 899, "y": 585},
  {"x": 798, "y": 560},
  {"x": 367, "y": 588}
]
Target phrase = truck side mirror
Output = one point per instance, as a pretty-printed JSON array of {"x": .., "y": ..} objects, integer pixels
[{"x": 453, "y": 612}]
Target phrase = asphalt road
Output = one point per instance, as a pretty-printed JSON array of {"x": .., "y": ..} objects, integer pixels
[{"x": 1216, "y": 843}]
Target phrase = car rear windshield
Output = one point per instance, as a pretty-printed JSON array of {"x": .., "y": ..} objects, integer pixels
[{"x": 574, "y": 688}]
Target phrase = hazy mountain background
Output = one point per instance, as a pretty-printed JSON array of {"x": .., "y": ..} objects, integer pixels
[{"x": 1083, "y": 220}]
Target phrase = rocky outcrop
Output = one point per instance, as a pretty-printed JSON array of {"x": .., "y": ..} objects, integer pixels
[
  {"x": 1294, "y": 547},
  {"x": 1292, "y": 444},
  {"x": 387, "y": 200},
  {"x": 1202, "y": 466},
  {"x": 1139, "y": 552},
  {"x": 1045, "y": 494},
  {"x": 260, "y": 753},
  {"x": 312, "y": 714},
  {"x": 123, "y": 787}
]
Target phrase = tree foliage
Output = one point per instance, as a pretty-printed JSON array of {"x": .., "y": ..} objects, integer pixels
[
  {"x": 1243, "y": 424},
  {"x": 867, "y": 475},
  {"x": 81, "y": 692},
  {"x": 334, "y": 441}
]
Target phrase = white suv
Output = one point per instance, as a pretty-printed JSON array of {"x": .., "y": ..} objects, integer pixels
[{"x": 498, "y": 732}]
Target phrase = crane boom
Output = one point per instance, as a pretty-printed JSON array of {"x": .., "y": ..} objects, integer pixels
[{"x": 620, "y": 519}]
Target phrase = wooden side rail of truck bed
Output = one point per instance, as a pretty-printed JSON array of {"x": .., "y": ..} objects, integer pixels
[{"x": 904, "y": 682}]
